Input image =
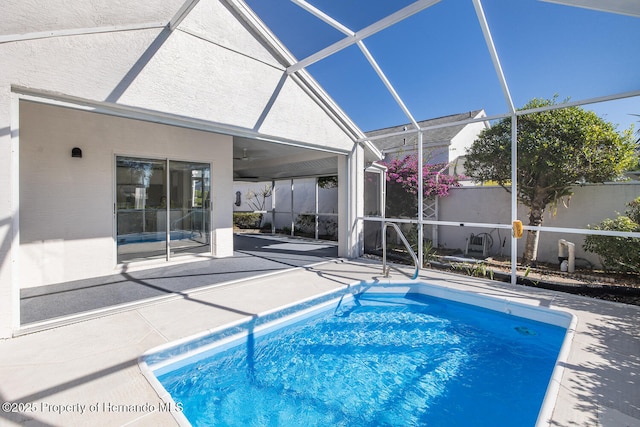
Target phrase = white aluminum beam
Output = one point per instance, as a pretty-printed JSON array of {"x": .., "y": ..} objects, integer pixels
[
  {"x": 588, "y": 101},
  {"x": 581, "y": 231},
  {"x": 514, "y": 195},
  {"x": 182, "y": 13},
  {"x": 372, "y": 29},
  {"x": 251, "y": 19},
  {"x": 342, "y": 28},
  {"x": 324, "y": 17},
  {"x": 599, "y": 99},
  {"x": 387, "y": 83},
  {"x": 494, "y": 54},
  {"x": 302, "y": 78},
  {"x": 420, "y": 201},
  {"x": 622, "y": 7}
]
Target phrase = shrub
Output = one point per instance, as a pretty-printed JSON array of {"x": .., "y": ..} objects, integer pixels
[
  {"x": 634, "y": 210},
  {"x": 246, "y": 219},
  {"x": 328, "y": 228},
  {"x": 428, "y": 251},
  {"x": 618, "y": 253},
  {"x": 402, "y": 184},
  {"x": 266, "y": 226},
  {"x": 306, "y": 223}
]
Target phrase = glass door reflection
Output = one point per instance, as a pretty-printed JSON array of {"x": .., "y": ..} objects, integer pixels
[
  {"x": 189, "y": 194},
  {"x": 156, "y": 220},
  {"x": 141, "y": 231}
]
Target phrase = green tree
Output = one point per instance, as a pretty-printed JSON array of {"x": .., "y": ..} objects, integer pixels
[{"x": 556, "y": 149}]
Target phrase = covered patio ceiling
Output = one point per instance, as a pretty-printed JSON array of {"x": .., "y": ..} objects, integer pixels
[{"x": 257, "y": 160}]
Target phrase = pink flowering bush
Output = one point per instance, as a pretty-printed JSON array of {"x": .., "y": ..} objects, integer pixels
[{"x": 404, "y": 173}]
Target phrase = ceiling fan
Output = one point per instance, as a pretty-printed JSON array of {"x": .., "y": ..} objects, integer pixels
[{"x": 244, "y": 157}]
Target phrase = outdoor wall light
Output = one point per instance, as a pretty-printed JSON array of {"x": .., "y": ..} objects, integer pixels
[{"x": 76, "y": 152}]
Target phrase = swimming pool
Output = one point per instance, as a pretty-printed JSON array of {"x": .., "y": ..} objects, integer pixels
[{"x": 398, "y": 354}]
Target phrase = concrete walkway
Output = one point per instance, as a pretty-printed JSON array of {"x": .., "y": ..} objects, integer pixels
[{"x": 87, "y": 374}]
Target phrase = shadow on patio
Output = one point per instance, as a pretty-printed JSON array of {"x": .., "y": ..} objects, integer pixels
[{"x": 254, "y": 255}]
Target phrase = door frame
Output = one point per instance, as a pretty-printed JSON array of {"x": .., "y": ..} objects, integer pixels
[{"x": 167, "y": 161}]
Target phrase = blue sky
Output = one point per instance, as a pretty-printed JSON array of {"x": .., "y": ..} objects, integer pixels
[{"x": 439, "y": 64}]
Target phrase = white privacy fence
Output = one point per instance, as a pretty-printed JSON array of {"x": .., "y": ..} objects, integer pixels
[
  {"x": 589, "y": 205},
  {"x": 298, "y": 206}
]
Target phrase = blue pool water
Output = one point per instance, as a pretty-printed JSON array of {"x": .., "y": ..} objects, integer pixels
[{"x": 375, "y": 360}]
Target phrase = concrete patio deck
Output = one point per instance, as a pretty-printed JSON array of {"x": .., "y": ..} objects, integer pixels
[
  {"x": 254, "y": 254},
  {"x": 87, "y": 373}
]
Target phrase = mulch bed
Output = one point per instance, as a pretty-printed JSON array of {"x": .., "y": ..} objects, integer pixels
[{"x": 622, "y": 288}]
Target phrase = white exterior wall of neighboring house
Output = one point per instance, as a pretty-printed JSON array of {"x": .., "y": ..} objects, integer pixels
[
  {"x": 463, "y": 140},
  {"x": 208, "y": 72},
  {"x": 436, "y": 147},
  {"x": 439, "y": 152}
]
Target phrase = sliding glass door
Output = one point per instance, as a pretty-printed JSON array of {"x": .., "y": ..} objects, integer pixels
[
  {"x": 189, "y": 195},
  {"x": 140, "y": 208},
  {"x": 162, "y": 208}
]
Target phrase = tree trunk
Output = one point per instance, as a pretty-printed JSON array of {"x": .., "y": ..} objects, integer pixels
[{"x": 536, "y": 215}]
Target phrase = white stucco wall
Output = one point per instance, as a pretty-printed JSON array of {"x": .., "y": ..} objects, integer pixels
[
  {"x": 589, "y": 205},
  {"x": 122, "y": 56},
  {"x": 210, "y": 68},
  {"x": 66, "y": 204},
  {"x": 8, "y": 161},
  {"x": 32, "y": 16}
]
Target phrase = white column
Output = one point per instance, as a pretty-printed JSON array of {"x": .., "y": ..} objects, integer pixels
[
  {"x": 9, "y": 214},
  {"x": 351, "y": 203},
  {"x": 514, "y": 195}
]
